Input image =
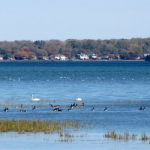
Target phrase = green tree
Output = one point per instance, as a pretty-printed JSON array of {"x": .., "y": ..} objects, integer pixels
[{"x": 41, "y": 52}]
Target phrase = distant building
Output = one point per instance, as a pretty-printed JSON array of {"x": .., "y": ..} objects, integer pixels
[
  {"x": 82, "y": 56},
  {"x": 93, "y": 57},
  {"x": 147, "y": 58},
  {"x": 105, "y": 58},
  {"x": 43, "y": 58},
  {"x": 58, "y": 57},
  {"x": 33, "y": 57},
  {"x": 62, "y": 57},
  {"x": 6, "y": 57},
  {"x": 117, "y": 57},
  {"x": 145, "y": 55},
  {"x": 111, "y": 56},
  {"x": 1, "y": 57},
  {"x": 138, "y": 58}
]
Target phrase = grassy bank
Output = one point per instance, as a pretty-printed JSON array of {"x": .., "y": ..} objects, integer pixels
[{"x": 35, "y": 126}]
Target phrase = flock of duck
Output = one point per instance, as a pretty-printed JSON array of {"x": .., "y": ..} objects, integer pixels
[
  {"x": 6, "y": 109},
  {"x": 57, "y": 107}
]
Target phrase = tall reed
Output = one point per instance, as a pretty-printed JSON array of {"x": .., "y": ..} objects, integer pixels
[{"x": 35, "y": 126}]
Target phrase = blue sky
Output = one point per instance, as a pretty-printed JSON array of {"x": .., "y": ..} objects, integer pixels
[{"x": 74, "y": 19}]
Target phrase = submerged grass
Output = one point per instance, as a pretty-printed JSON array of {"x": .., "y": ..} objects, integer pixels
[
  {"x": 127, "y": 136},
  {"x": 35, "y": 126},
  {"x": 144, "y": 137},
  {"x": 122, "y": 137}
]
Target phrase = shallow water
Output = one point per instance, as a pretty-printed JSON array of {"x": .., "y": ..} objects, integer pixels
[
  {"x": 122, "y": 87},
  {"x": 81, "y": 141}
]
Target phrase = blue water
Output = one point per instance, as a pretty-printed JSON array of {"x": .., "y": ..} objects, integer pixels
[{"x": 122, "y": 87}]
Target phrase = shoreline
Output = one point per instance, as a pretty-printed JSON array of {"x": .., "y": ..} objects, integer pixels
[{"x": 72, "y": 60}]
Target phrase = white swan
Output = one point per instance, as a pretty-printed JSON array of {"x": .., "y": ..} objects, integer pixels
[
  {"x": 34, "y": 99},
  {"x": 79, "y": 99}
]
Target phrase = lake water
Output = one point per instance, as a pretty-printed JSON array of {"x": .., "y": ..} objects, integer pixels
[{"x": 122, "y": 86}]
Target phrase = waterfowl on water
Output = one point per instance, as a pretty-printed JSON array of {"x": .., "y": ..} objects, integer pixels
[
  {"x": 23, "y": 110},
  {"x": 105, "y": 109},
  {"x": 93, "y": 109},
  {"x": 142, "y": 108},
  {"x": 19, "y": 106},
  {"x": 55, "y": 106},
  {"x": 69, "y": 109},
  {"x": 73, "y": 105},
  {"x": 34, "y": 99},
  {"x": 6, "y": 109},
  {"x": 82, "y": 105},
  {"x": 79, "y": 99},
  {"x": 57, "y": 109},
  {"x": 34, "y": 107},
  {"x": 60, "y": 109}
]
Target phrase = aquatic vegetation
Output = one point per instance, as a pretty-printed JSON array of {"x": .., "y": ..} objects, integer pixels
[
  {"x": 112, "y": 135},
  {"x": 35, "y": 126},
  {"x": 122, "y": 137},
  {"x": 127, "y": 136},
  {"x": 144, "y": 137},
  {"x": 68, "y": 136}
]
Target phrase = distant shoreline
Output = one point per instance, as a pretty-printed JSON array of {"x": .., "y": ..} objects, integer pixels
[{"x": 71, "y": 60}]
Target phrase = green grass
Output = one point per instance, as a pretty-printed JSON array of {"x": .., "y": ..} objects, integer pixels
[{"x": 35, "y": 126}]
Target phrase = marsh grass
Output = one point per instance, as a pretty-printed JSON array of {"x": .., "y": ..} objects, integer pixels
[
  {"x": 121, "y": 137},
  {"x": 68, "y": 136},
  {"x": 144, "y": 137},
  {"x": 127, "y": 136},
  {"x": 35, "y": 126}
]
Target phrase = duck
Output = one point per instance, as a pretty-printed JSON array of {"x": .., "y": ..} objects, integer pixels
[
  {"x": 82, "y": 105},
  {"x": 57, "y": 109},
  {"x": 34, "y": 99},
  {"x": 142, "y": 108},
  {"x": 69, "y": 109},
  {"x": 105, "y": 109},
  {"x": 23, "y": 110},
  {"x": 6, "y": 109},
  {"x": 19, "y": 106},
  {"x": 60, "y": 109},
  {"x": 55, "y": 106},
  {"x": 34, "y": 107},
  {"x": 93, "y": 109}
]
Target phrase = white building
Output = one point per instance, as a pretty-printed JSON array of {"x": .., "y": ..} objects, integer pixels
[
  {"x": 82, "y": 56},
  {"x": 58, "y": 57},
  {"x": 93, "y": 56},
  {"x": 144, "y": 55},
  {"x": 1, "y": 58}
]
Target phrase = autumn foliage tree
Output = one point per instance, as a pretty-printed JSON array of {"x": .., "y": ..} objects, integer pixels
[
  {"x": 126, "y": 48},
  {"x": 19, "y": 55}
]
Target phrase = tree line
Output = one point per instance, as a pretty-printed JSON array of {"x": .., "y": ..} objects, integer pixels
[{"x": 125, "y": 48}]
